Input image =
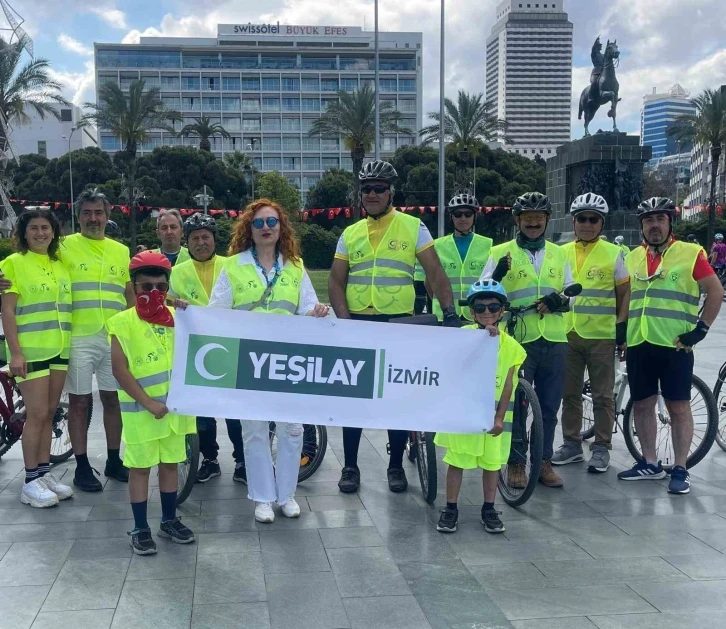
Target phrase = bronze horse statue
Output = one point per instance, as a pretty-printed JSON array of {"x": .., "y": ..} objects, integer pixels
[{"x": 604, "y": 89}]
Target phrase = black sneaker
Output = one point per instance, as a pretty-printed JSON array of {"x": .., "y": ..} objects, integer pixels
[
  {"x": 240, "y": 472},
  {"x": 490, "y": 520},
  {"x": 117, "y": 470},
  {"x": 448, "y": 520},
  {"x": 142, "y": 542},
  {"x": 208, "y": 470},
  {"x": 397, "y": 479},
  {"x": 85, "y": 479},
  {"x": 349, "y": 480},
  {"x": 176, "y": 531}
]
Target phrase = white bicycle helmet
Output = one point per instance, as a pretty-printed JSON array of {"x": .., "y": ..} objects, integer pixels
[
  {"x": 463, "y": 200},
  {"x": 619, "y": 240},
  {"x": 718, "y": 236},
  {"x": 589, "y": 202}
]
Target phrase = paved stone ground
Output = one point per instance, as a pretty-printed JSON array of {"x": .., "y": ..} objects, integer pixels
[{"x": 597, "y": 553}]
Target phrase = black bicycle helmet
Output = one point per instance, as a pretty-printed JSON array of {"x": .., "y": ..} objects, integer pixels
[
  {"x": 532, "y": 202},
  {"x": 112, "y": 228},
  {"x": 378, "y": 170},
  {"x": 656, "y": 205},
  {"x": 464, "y": 200},
  {"x": 200, "y": 221}
]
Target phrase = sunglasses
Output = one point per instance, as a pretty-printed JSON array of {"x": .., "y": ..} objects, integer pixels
[
  {"x": 463, "y": 214},
  {"x": 147, "y": 287},
  {"x": 593, "y": 220},
  {"x": 376, "y": 189},
  {"x": 482, "y": 308},
  {"x": 259, "y": 223}
]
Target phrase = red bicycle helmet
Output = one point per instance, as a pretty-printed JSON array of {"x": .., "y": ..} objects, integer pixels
[{"x": 149, "y": 260}]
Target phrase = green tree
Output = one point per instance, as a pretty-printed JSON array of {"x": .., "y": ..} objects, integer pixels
[
  {"x": 90, "y": 166},
  {"x": 275, "y": 187},
  {"x": 130, "y": 118},
  {"x": 353, "y": 118},
  {"x": 331, "y": 191},
  {"x": 239, "y": 161},
  {"x": 205, "y": 129},
  {"x": 707, "y": 127}
]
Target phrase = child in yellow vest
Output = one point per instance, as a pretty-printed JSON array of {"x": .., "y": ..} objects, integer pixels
[
  {"x": 490, "y": 451},
  {"x": 142, "y": 354}
]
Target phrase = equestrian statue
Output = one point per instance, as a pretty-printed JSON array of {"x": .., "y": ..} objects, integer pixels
[{"x": 604, "y": 86}]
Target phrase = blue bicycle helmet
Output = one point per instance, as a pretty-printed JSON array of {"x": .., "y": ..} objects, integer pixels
[{"x": 486, "y": 288}]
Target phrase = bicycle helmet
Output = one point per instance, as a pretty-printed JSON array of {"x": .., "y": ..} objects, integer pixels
[
  {"x": 378, "y": 170},
  {"x": 152, "y": 261},
  {"x": 532, "y": 202},
  {"x": 200, "y": 221},
  {"x": 619, "y": 240},
  {"x": 589, "y": 202},
  {"x": 464, "y": 200},
  {"x": 718, "y": 236},
  {"x": 112, "y": 228},
  {"x": 486, "y": 288},
  {"x": 656, "y": 205}
]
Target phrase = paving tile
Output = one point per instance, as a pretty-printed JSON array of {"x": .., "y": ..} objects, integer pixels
[
  {"x": 371, "y": 584},
  {"x": 86, "y": 619},
  {"x": 219, "y": 543},
  {"x": 353, "y": 537},
  {"x": 699, "y": 567},
  {"x": 554, "y": 623},
  {"x": 335, "y": 503},
  {"x": 534, "y": 528},
  {"x": 324, "y": 488},
  {"x": 293, "y": 551},
  {"x": 27, "y": 515},
  {"x": 683, "y": 597},
  {"x": 319, "y": 520},
  {"x": 383, "y": 612},
  {"x": 361, "y": 560},
  {"x": 240, "y": 506},
  {"x": 19, "y": 605},
  {"x": 231, "y": 616},
  {"x": 654, "y": 524},
  {"x": 101, "y": 548},
  {"x": 87, "y": 584},
  {"x": 557, "y": 510},
  {"x": 33, "y": 563},
  {"x": 478, "y": 554},
  {"x": 691, "y": 620},
  {"x": 313, "y": 596},
  {"x": 229, "y": 578},
  {"x": 608, "y": 570},
  {"x": 523, "y": 575},
  {"x": 645, "y": 545},
  {"x": 715, "y": 539},
  {"x": 518, "y": 604},
  {"x": 227, "y": 524},
  {"x": 161, "y": 604},
  {"x": 123, "y": 511},
  {"x": 173, "y": 561},
  {"x": 4, "y": 548}
]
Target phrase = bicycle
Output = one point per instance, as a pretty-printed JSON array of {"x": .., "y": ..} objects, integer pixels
[{"x": 720, "y": 395}]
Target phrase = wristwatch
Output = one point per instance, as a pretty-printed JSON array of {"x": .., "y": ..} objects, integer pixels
[{"x": 448, "y": 311}]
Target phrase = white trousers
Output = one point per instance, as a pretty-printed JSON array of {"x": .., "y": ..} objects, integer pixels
[{"x": 268, "y": 482}]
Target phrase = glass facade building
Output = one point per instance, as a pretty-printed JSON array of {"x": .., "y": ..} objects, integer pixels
[
  {"x": 658, "y": 115},
  {"x": 267, "y": 84}
]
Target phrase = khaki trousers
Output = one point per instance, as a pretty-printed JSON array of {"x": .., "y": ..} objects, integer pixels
[{"x": 597, "y": 356}]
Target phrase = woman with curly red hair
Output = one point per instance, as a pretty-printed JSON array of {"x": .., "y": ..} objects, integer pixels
[{"x": 265, "y": 273}]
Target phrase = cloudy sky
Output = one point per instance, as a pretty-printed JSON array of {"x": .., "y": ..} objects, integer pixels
[{"x": 661, "y": 41}]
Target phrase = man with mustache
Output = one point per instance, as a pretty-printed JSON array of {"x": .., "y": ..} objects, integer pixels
[
  {"x": 534, "y": 270},
  {"x": 667, "y": 278}
]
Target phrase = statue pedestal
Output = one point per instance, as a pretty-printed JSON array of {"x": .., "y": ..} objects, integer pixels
[{"x": 608, "y": 164}]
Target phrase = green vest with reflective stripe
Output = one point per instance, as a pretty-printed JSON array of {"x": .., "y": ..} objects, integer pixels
[
  {"x": 150, "y": 354},
  {"x": 248, "y": 288},
  {"x": 666, "y": 306},
  {"x": 182, "y": 257},
  {"x": 419, "y": 275},
  {"x": 185, "y": 282},
  {"x": 524, "y": 287},
  {"x": 461, "y": 274},
  {"x": 43, "y": 310},
  {"x": 593, "y": 313},
  {"x": 98, "y": 284},
  {"x": 625, "y": 249},
  {"x": 382, "y": 279}
]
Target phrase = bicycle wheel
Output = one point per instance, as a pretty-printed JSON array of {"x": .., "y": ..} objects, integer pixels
[
  {"x": 315, "y": 444},
  {"x": 705, "y": 427},
  {"x": 411, "y": 449},
  {"x": 720, "y": 395},
  {"x": 527, "y": 446},
  {"x": 426, "y": 463},
  {"x": 187, "y": 470},
  {"x": 588, "y": 416},
  {"x": 60, "y": 445}
]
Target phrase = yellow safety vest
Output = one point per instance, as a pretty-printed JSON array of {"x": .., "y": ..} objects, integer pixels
[
  {"x": 43, "y": 310},
  {"x": 419, "y": 275},
  {"x": 150, "y": 361},
  {"x": 182, "y": 257},
  {"x": 625, "y": 249},
  {"x": 248, "y": 288},
  {"x": 98, "y": 284},
  {"x": 461, "y": 274},
  {"x": 666, "y": 306},
  {"x": 185, "y": 282},
  {"x": 593, "y": 313},
  {"x": 382, "y": 279},
  {"x": 524, "y": 287}
]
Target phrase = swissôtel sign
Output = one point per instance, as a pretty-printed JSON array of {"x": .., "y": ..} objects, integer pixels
[{"x": 287, "y": 30}]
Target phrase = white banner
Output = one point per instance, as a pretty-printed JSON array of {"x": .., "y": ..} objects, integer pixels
[{"x": 247, "y": 365}]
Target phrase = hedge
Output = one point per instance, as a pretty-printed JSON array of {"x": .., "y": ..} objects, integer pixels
[{"x": 318, "y": 245}]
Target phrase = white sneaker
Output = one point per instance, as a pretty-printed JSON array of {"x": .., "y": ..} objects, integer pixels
[
  {"x": 36, "y": 494},
  {"x": 59, "y": 489},
  {"x": 264, "y": 512},
  {"x": 291, "y": 509}
]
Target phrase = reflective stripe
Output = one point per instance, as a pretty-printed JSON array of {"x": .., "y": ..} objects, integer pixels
[
  {"x": 596, "y": 292},
  {"x": 388, "y": 264},
  {"x": 65, "y": 326},
  {"x": 468, "y": 281},
  {"x": 670, "y": 314},
  {"x": 510, "y": 406},
  {"x": 111, "y": 288},
  {"x": 41, "y": 326},
  {"x": 508, "y": 426},
  {"x": 665, "y": 294},
  {"x": 135, "y": 407},
  {"x": 88, "y": 304},
  {"x": 522, "y": 293},
  {"x": 380, "y": 281},
  {"x": 157, "y": 378},
  {"x": 283, "y": 305},
  {"x": 362, "y": 266},
  {"x": 48, "y": 306},
  {"x": 595, "y": 310}
]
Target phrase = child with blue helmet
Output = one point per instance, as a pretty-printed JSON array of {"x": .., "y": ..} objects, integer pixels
[{"x": 488, "y": 452}]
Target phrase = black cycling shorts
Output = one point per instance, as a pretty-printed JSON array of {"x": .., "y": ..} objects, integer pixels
[{"x": 654, "y": 368}]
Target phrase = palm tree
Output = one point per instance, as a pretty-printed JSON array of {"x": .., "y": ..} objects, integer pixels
[
  {"x": 131, "y": 118},
  {"x": 205, "y": 129},
  {"x": 708, "y": 128},
  {"x": 239, "y": 161},
  {"x": 465, "y": 123},
  {"x": 353, "y": 118}
]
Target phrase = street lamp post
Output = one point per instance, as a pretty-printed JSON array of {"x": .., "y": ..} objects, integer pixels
[
  {"x": 251, "y": 147},
  {"x": 204, "y": 199},
  {"x": 70, "y": 168},
  {"x": 442, "y": 121},
  {"x": 377, "y": 108}
]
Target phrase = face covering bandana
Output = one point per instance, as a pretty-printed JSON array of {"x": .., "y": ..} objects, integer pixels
[{"x": 151, "y": 307}]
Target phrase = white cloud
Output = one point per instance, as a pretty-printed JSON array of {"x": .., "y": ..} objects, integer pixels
[
  {"x": 73, "y": 45},
  {"x": 78, "y": 87},
  {"x": 110, "y": 15}
]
